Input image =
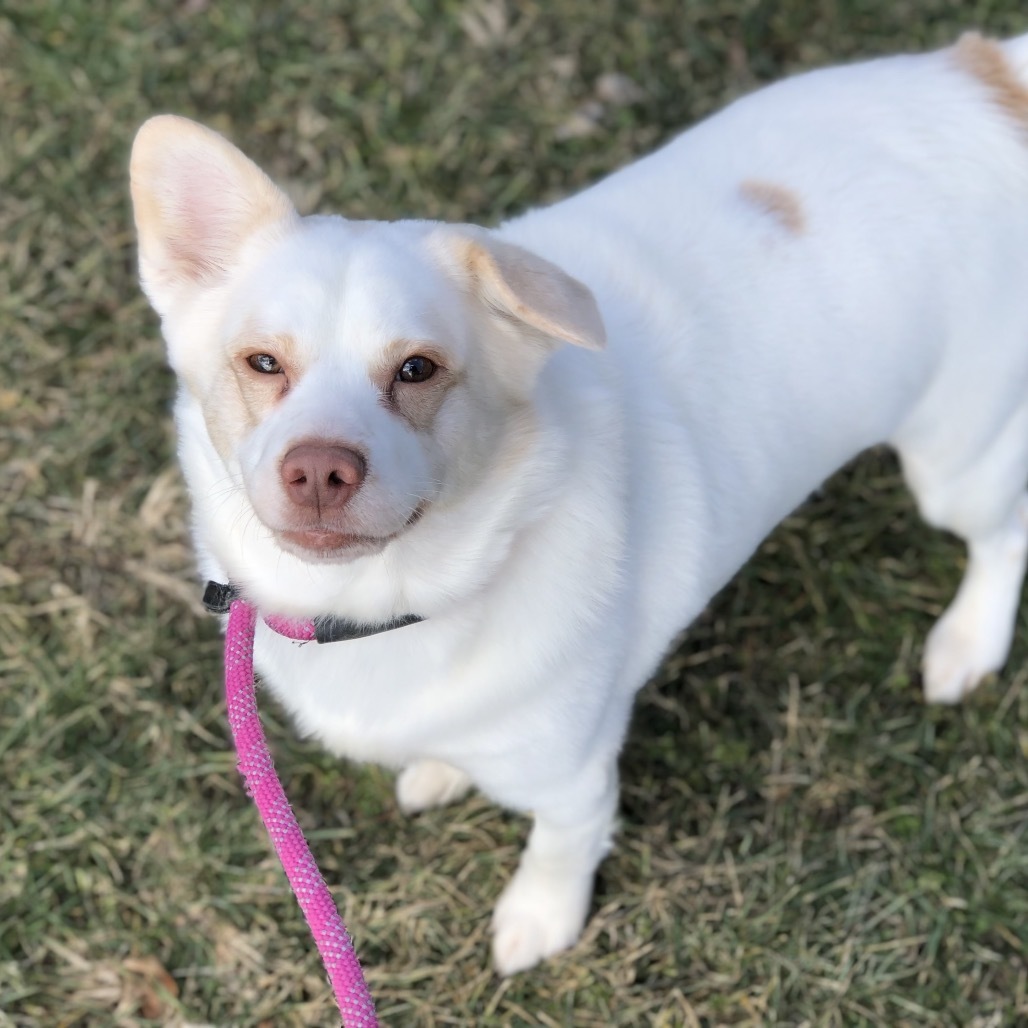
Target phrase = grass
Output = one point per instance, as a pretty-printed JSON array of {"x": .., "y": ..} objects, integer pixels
[{"x": 803, "y": 842}]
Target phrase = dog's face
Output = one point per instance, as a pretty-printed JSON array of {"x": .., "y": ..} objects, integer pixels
[{"x": 354, "y": 377}]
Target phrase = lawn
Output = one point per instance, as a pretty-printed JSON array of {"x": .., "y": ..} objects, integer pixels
[{"x": 803, "y": 841}]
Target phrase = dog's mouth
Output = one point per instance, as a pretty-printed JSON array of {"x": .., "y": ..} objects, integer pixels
[
  {"x": 321, "y": 545},
  {"x": 325, "y": 545}
]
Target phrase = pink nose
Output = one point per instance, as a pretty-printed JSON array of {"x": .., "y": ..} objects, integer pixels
[{"x": 321, "y": 475}]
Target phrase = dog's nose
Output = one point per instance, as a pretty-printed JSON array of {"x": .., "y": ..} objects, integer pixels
[{"x": 321, "y": 475}]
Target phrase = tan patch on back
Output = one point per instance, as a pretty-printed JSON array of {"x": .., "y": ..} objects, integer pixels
[
  {"x": 985, "y": 60},
  {"x": 778, "y": 201}
]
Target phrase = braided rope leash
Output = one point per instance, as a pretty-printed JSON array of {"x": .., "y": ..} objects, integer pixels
[{"x": 258, "y": 770}]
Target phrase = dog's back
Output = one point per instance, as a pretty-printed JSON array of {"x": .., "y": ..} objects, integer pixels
[{"x": 837, "y": 261}]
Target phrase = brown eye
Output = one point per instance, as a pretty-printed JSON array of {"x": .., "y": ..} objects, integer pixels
[
  {"x": 415, "y": 369},
  {"x": 265, "y": 363}
]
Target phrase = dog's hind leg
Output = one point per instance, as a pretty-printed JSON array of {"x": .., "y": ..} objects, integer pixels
[
  {"x": 986, "y": 505},
  {"x": 973, "y": 636}
]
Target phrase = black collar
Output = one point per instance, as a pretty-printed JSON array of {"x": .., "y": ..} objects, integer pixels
[{"x": 217, "y": 599}]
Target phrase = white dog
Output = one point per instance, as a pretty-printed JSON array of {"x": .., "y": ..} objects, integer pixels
[{"x": 556, "y": 441}]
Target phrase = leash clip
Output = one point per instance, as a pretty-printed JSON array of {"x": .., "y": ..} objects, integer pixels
[{"x": 217, "y": 598}]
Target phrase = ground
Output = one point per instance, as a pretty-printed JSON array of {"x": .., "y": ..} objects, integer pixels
[{"x": 803, "y": 841}]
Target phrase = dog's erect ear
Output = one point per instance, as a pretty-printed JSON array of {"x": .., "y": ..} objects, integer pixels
[
  {"x": 197, "y": 200},
  {"x": 524, "y": 289}
]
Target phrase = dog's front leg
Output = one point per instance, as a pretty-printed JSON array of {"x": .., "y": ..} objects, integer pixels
[{"x": 543, "y": 909}]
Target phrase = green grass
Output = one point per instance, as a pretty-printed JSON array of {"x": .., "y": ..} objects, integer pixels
[{"x": 803, "y": 842}]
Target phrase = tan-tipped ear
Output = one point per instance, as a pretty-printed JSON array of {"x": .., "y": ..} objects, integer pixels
[
  {"x": 522, "y": 287},
  {"x": 197, "y": 200}
]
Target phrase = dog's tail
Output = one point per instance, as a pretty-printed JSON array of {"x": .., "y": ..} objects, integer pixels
[
  {"x": 1001, "y": 69},
  {"x": 1016, "y": 52},
  {"x": 1000, "y": 66}
]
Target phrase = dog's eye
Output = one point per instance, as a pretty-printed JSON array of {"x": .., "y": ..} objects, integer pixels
[
  {"x": 265, "y": 363},
  {"x": 415, "y": 369}
]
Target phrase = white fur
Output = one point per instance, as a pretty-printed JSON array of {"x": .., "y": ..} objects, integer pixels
[{"x": 582, "y": 509}]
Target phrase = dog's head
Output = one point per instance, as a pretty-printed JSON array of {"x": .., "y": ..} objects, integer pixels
[{"x": 352, "y": 377}]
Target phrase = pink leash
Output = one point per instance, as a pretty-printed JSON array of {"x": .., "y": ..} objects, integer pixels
[{"x": 258, "y": 770}]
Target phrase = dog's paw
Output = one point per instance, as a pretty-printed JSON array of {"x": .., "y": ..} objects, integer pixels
[
  {"x": 429, "y": 783},
  {"x": 539, "y": 914},
  {"x": 956, "y": 660}
]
